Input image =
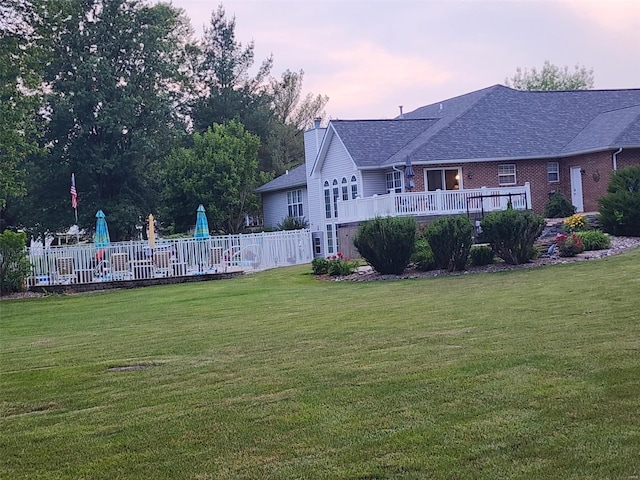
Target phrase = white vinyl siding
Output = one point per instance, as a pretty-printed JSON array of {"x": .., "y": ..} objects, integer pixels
[
  {"x": 275, "y": 206},
  {"x": 507, "y": 174}
]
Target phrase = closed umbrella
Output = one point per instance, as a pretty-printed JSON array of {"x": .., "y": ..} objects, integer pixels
[
  {"x": 202, "y": 225},
  {"x": 201, "y": 233},
  {"x": 408, "y": 171},
  {"x": 101, "y": 238},
  {"x": 152, "y": 232}
]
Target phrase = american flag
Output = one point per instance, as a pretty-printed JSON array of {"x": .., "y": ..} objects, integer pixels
[{"x": 74, "y": 193}]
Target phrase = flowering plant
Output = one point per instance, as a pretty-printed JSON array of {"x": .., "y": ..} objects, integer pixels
[
  {"x": 334, "y": 265},
  {"x": 569, "y": 245},
  {"x": 575, "y": 222}
]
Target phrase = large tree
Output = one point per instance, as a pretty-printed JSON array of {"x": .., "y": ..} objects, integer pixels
[
  {"x": 220, "y": 171},
  {"x": 551, "y": 77},
  {"x": 292, "y": 114},
  {"x": 227, "y": 90},
  {"x": 18, "y": 94},
  {"x": 114, "y": 78}
]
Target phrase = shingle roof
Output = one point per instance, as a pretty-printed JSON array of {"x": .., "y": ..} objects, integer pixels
[
  {"x": 498, "y": 122},
  {"x": 295, "y": 178},
  {"x": 372, "y": 142}
]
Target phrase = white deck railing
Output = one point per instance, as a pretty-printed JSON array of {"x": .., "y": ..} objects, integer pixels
[
  {"x": 134, "y": 260},
  {"x": 440, "y": 202}
]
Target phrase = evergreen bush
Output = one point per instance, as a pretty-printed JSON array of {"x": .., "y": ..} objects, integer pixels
[
  {"x": 512, "y": 233},
  {"x": 423, "y": 256},
  {"x": 558, "y": 206},
  {"x": 386, "y": 243},
  {"x": 450, "y": 239},
  {"x": 293, "y": 223},
  {"x": 14, "y": 264},
  {"x": 481, "y": 255},
  {"x": 620, "y": 208}
]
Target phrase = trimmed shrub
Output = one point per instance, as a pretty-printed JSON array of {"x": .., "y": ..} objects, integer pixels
[
  {"x": 319, "y": 266},
  {"x": 450, "y": 239},
  {"x": 386, "y": 243},
  {"x": 558, "y": 206},
  {"x": 512, "y": 233},
  {"x": 293, "y": 223},
  {"x": 14, "y": 264},
  {"x": 481, "y": 255},
  {"x": 423, "y": 256},
  {"x": 594, "y": 240},
  {"x": 620, "y": 208}
]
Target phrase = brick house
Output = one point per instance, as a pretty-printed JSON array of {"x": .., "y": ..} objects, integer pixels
[{"x": 469, "y": 154}]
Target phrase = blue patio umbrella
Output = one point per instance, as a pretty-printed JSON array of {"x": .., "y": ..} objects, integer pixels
[
  {"x": 101, "y": 238},
  {"x": 202, "y": 225}
]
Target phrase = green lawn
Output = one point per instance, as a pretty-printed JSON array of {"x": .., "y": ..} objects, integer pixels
[{"x": 526, "y": 374}]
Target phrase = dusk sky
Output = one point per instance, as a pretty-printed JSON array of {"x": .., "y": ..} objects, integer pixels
[{"x": 369, "y": 57}]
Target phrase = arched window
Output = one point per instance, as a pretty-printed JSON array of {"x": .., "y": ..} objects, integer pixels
[
  {"x": 345, "y": 189},
  {"x": 354, "y": 187}
]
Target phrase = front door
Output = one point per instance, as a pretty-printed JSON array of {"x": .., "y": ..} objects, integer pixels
[{"x": 576, "y": 189}]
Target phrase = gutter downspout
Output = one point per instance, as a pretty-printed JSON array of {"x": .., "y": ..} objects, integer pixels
[{"x": 615, "y": 159}]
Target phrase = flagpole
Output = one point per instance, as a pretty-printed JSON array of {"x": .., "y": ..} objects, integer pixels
[{"x": 74, "y": 204}]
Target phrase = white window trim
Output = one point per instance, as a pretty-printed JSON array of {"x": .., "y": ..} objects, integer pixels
[
  {"x": 295, "y": 203},
  {"x": 396, "y": 180},
  {"x": 503, "y": 175},
  {"x": 556, "y": 172},
  {"x": 442, "y": 170}
]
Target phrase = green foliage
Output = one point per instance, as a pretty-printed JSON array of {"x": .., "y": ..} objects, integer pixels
[
  {"x": 620, "y": 208},
  {"x": 594, "y": 240},
  {"x": 481, "y": 255},
  {"x": 220, "y": 171},
  {"x": 422, "y": 256},
  {"x": 450, "y": 239},
  {"x": 19, "y": 67},
  {"x": 558, "y": 206},
  {"x": 14, "y": 264},
  {"x": 113, "y": 109},
  {"x": 293, "y": 223},
  {"x": 335, "y": 265},
  {"x": 386, "y": 243},
  {"x": 569, "y": 245},
  {"x": 551, "y": 77},
  {"x": 512, "y": 233},
  {"x": 320, "y": 266}
]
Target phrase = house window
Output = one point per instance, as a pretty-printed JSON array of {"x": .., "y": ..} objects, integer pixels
[
  {"x": 553, "y": 172},
  {"x": 507, "y": 174},
  {"x": 443, "y": 179},
  {"x": 354, "y": 187},
  {"x": 394, "y": 182},
  {"x": 345, "y": 189},
  {"x": 294, "y": 203},
  {"x": 330, "y": 239},
  {"x": 327, "y": 200},
  {"x": 336, "y": 195}
]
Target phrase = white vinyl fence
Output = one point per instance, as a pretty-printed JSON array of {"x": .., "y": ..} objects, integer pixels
[{"x": 135, "y": 260}]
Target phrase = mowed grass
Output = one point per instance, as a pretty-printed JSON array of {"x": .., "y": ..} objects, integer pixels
[{"x": 532, "y": 373}]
